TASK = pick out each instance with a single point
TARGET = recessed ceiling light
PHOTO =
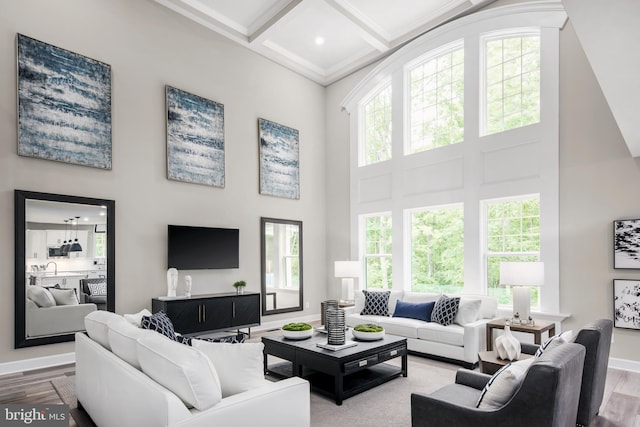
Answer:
(86, 218)
(319, 40)
(102, 214)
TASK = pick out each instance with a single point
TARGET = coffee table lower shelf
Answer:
(352, 384)
(355, 383)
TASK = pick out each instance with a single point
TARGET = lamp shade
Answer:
(347, 269)
(522, 273)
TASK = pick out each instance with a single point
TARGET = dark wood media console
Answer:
(212, 312)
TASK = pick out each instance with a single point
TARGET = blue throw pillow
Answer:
(414, 310)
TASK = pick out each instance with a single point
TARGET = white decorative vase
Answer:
(507, 346)
(187, 286)
(172, 282)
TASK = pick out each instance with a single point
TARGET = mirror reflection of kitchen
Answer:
(66, 255)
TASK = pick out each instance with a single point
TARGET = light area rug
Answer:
(387, 405)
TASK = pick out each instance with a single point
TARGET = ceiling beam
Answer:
(368, 30)
(261, 34)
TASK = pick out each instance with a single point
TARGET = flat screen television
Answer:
(202, 248)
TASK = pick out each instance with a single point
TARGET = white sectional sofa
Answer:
(116, 364)
(459, 342)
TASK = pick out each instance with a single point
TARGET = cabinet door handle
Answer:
(234, 308)
(204, 313)
(199, 314)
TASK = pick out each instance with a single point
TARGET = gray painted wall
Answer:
(148, 47)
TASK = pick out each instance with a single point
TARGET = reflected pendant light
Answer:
(75, 247)
(64, 249)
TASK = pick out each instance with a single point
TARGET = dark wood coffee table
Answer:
(343, 373)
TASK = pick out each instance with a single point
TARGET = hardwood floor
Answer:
(620, 406)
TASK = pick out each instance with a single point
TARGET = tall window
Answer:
(100, 245)
(513, 234)
(437, 249)
(436, 92)
(512, 81)
(377, 128)
(473, 158)
(377, 256)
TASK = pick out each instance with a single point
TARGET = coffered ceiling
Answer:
(323, 40)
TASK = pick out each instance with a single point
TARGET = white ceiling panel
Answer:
(405, 15)
(354, 32)
(248, 16)
(341, 39)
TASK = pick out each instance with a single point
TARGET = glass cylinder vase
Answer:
(335, 327)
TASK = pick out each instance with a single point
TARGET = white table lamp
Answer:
(347, 270)
(522, 275)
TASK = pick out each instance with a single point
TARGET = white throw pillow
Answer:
(136, 318)
(468, 311)
(503, 384)
(239, 366)
(554, 342)
(184, 370)
(123, 340)
(40, 296)
(64, 296)
(96, 323)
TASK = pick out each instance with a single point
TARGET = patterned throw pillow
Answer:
(376, 303)
(445, 310)
(161, 323)
(233, 339)
(99, 288)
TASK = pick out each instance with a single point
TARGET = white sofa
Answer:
(59, 319)
(114, 392)
(459, 342)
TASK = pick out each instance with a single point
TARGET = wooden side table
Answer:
(490, 363)
(536, 329)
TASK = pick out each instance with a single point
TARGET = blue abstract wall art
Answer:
(279, 160)
(195, 139)
(64, 105)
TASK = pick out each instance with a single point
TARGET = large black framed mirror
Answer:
(281, 265)
(64, 264)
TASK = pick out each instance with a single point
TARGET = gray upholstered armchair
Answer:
(94, 291)
(547, 396)
(596, 338)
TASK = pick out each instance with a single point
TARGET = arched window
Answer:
(457, 142)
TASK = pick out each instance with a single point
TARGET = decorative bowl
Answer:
(368, 332)
(297, 331)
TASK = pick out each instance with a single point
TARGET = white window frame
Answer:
(523, 160)
(361, 122)
(408, 234)
(362, 226)
(455, 45)
(484, 38)
(485, 241)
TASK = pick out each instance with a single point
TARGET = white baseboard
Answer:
(624, 364)
(36, 363)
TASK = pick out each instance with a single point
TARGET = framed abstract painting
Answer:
(626, 304)
(195, 139)
(626, 243)
(279, 160)
(64, 105)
